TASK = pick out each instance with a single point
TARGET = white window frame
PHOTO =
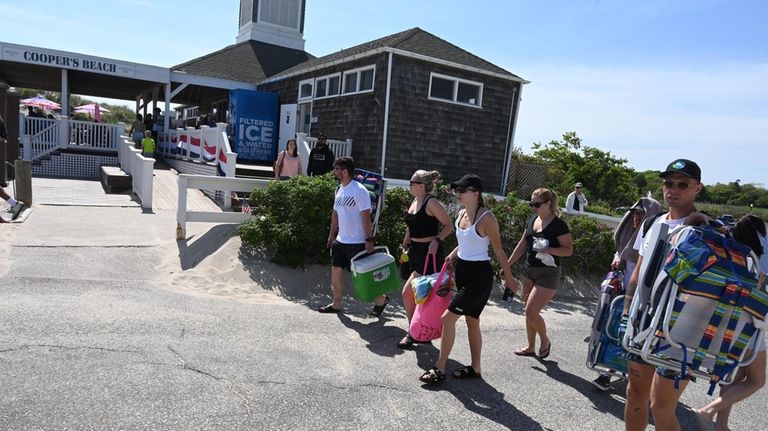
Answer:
(327, 79)
(310, 81)
(357, 71)
(479, 104)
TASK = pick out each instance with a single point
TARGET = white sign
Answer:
(66, 61)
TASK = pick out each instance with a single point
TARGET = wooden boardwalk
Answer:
(165, 192)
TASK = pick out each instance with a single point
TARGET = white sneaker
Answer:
(16, 210)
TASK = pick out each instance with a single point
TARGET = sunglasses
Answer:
(463, 189)
(415, 182)
(682, 185)
(536, 204)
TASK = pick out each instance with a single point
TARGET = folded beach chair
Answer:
(377, 188)
(605, 354)
(705, 308)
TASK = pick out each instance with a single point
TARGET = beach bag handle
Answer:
(426, 263)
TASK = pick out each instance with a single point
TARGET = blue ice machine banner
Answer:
(254, 119)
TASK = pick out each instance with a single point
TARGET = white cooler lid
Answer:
(374, 261)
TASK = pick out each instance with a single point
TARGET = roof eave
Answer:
(404, 53)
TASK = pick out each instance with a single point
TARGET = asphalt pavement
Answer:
(90, 339)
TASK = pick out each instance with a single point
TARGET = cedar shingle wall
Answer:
(423, 133)
(453, 139)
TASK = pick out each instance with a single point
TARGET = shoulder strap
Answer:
(649, 222)
(424, 204)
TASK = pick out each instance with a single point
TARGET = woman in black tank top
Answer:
(423, 237)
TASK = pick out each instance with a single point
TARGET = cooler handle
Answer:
(365, 253)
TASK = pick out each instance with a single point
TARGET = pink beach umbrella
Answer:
(41, 102)
(92, 109)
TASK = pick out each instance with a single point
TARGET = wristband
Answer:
(369, 239)
(437, 238)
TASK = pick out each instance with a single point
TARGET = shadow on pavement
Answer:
(193, 250)
(601, 401)
(380, 339)
(481, 398)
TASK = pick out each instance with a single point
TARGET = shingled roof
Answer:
(414, 40)
(249, 61)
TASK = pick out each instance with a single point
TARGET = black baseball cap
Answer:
(683, 167)
(469, 180)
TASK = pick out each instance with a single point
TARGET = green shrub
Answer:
(290, 219)
(593, 246)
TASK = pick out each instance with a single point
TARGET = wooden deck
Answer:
(165, 192)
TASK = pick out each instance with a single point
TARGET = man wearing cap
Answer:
(320, 158)
(681, 183)
(576, 201)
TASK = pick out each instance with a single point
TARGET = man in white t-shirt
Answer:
(350, 231)
(681, 184)
(576, 202)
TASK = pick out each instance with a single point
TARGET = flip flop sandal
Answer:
(523, 352)
(378, 309)
(544, 353)
(433, 375)
(466, 373)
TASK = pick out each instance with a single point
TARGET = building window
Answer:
(450, 89)
(359, 80)
(306, 89)
(284, 13)
(327, 86)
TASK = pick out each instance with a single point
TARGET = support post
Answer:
(23, 181)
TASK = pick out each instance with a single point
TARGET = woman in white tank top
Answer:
(476, 229)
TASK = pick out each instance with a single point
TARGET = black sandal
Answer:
(407, 342)
(433, 375)
(378, 309)
(329, 309)
(466, 373)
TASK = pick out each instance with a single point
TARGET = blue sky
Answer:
(648, 80)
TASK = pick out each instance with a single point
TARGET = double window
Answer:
(449, 89)
(359, 80)
(327, 86)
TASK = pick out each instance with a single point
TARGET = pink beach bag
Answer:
(426, 324)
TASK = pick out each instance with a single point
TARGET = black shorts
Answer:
(341, 253)
(474, 281)
(417, 254)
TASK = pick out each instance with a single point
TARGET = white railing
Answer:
(205, 182)
(95, 135)
(41, 136)
(306, 144)
(140, 168)
(204, 145)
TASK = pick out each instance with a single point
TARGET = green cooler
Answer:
(374, 275)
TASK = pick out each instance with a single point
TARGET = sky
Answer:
(649, 81)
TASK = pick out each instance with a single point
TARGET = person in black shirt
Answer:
(320, 158)
(546, 239)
